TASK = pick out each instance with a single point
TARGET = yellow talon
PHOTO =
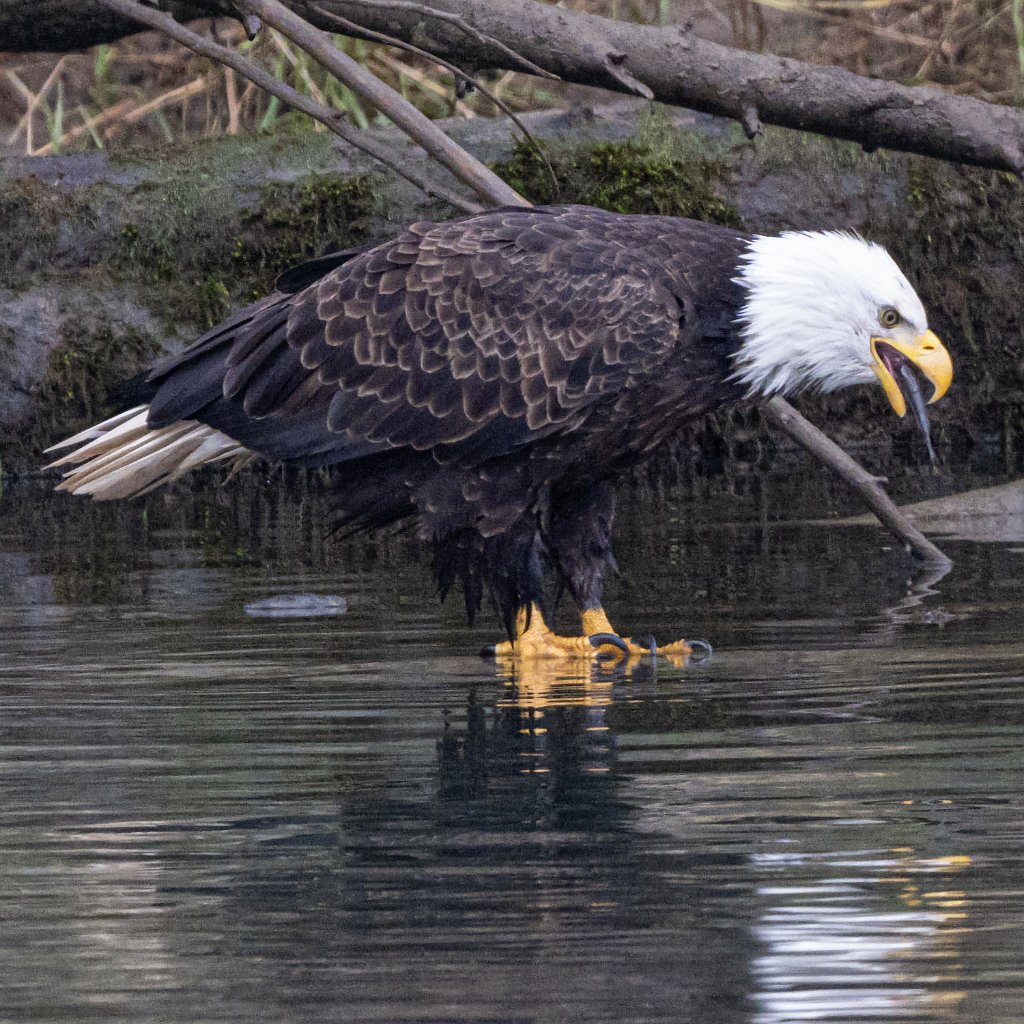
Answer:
(534, 640)
(678, 652)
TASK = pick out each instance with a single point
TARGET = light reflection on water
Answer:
(835, 953)
(209, 817)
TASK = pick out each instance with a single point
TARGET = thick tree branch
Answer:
(685, 70)
(674, 65)
(431, 11)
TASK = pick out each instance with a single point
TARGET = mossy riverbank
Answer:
(104, 264)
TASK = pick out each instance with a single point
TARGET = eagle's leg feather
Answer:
(595, 622)
(535, 639)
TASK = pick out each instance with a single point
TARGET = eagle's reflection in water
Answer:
(545, 732)
(537, 725)
(537, 820)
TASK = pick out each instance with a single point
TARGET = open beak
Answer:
(898, 365)
(896, 362)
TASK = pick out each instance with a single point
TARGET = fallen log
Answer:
(666, 63)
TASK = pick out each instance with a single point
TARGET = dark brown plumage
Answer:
(488, 377)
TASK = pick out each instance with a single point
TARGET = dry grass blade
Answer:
(234, 104)
(183, 92)
(351, 27)
(331, 119)
(27, 95)
(281, 44)
(34, 101)
(90, 126)
(893, 35)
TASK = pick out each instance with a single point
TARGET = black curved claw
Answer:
(646, 641)
(490, 651)
(609, 640)
(699, 646)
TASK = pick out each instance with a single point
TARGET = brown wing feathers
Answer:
(446, 333)
(469, 338)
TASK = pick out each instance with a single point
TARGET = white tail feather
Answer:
(100, 443)
(99, 428)
(122, 457)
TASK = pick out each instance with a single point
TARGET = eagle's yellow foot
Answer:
(534, 640)
(679, 652)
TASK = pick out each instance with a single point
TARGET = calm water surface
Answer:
(210, 817)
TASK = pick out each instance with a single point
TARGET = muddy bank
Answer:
(106, 262)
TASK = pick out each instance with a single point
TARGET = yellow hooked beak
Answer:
(925, 352)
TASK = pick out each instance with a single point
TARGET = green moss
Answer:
(212, 300)
(637, 176)
(204, 255)
(82, 372)
(176, 233)
(297, 220)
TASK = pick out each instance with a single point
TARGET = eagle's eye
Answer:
(889, 317)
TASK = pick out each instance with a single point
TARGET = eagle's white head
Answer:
(826, 309)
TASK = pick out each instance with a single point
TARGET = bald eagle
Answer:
(489, 378)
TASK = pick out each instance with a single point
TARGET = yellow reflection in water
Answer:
(536, 685)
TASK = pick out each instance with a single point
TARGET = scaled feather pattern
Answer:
(489, 378)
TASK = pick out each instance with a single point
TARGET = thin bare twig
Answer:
(332, 119)
(319, 45)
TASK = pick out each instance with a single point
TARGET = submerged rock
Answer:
(993, 514)
(297, 606)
